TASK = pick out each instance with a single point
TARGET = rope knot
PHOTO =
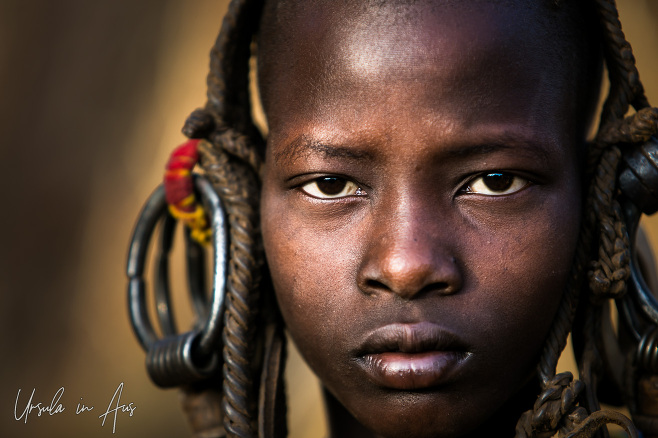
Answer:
(634, 129)
(555, 407)
(199, 124)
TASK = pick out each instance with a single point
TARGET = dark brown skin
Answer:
(407, 115)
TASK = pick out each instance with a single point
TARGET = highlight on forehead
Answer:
(407, 41)
(332, 31)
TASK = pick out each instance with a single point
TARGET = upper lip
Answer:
(411, 338)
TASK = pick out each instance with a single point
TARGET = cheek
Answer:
(519, 273)
(311, 272)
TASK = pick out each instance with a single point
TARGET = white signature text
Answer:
(23, 409)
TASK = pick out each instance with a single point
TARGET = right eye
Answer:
(332, 187)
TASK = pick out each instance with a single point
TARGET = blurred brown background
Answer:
(92, 98)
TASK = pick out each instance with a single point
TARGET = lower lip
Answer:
(409, 371)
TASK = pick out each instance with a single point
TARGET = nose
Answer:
(409, 257)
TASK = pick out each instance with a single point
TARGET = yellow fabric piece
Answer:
(187, 201)
(195, 220)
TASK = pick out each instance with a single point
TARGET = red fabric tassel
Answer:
(178, 175)
(179, 190)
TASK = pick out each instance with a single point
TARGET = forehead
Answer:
(408, 40)
(321, 57)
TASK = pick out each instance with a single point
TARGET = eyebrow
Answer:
(303, 146)
(497, 145)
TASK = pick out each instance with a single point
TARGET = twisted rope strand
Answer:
(563, 321)
(625, 86)
(236, 183)
(234, 160)
(610, 270)
(609, 274)
(228, 79)
(607, 279)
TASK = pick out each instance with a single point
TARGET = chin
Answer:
(423, 414)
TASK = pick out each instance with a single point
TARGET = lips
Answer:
(412, 356)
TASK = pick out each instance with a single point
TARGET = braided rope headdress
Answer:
(232, 154)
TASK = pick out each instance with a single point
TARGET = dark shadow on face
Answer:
(421, 202)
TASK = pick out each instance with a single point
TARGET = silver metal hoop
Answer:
(177, 359)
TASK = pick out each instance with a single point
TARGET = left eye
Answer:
(331, 187)
(496, 184)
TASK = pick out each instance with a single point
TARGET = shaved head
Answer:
(294, 29)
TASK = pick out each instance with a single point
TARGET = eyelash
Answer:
(475, 186)
(478, 185)
(349, 188)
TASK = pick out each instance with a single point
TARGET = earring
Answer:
(179, 358)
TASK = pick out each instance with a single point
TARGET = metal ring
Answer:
(647, 351)
(154, 210)
(196, 278)
(639, 290)
(173, 362)
(162, 292)
(644, 296)
(212, 332)
(627, 314)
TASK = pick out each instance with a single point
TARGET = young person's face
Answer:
(420, 206)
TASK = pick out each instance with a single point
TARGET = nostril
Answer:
(437, 287)
(440, 287)
(376, 285)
